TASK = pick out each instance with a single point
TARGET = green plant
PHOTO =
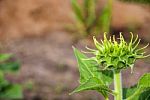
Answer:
(110, 58)
(138, 1)
(88, 20)
(8, 90)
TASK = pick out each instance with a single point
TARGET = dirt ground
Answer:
(45, 49)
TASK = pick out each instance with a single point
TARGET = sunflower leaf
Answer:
(140, 91)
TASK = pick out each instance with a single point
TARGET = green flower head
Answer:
(113, 55)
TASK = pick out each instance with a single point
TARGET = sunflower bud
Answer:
(113, 55)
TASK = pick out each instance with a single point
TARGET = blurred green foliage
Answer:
(138, 1)
(88, 21)
(9, 90)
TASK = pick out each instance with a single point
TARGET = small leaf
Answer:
(9, 66)
(3, 81)
(84, 66)
(144, 81)
(145, 95)
(93, 84)
(129, 91)
(88, 69)
(91, 78)
(140, 91)
(90, 84)
(4, 57)
(12, 92)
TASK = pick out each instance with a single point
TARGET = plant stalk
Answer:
(118, 84)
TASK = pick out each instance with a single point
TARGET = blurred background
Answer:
(40, 35)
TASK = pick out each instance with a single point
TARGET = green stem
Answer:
(118, 84)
